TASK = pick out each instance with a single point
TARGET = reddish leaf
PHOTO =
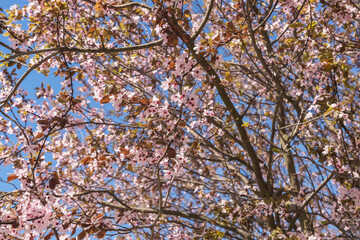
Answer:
(171, 153)
(11, 177)
(144, 101)
(55, 119)
(15, 224)
(11, 63)
(182, 124)
(52, 183)
(171, 65)
(230, 26)
(63, 122)
(105, 99)
(86, 160)
(47, 237)
(101, 234)
(124, 151)
(82, 235)
(73, 231)
(43, 121)
(134, 100)
(39, 135)
(54, 180)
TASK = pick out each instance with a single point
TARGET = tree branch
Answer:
(7, 46)
(204, 21)
(88, 50)
(122, 6)
(267, 17)
(22, 78)
(223, 224)
(309, 198)
(206, 66)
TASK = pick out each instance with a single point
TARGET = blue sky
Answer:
(5, 4)
(27, 84)
(33, 79)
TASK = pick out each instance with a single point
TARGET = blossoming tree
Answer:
(180, 119)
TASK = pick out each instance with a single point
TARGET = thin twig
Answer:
(88, 50)
(22, 78)
(204, 21)
(309, 198)
(267, 17)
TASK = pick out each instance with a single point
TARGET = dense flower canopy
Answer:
(176, 119)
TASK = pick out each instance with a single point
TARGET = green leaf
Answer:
(245, 124)
(329, 111)
(296, 25)
(312, 24)
(275, 149)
